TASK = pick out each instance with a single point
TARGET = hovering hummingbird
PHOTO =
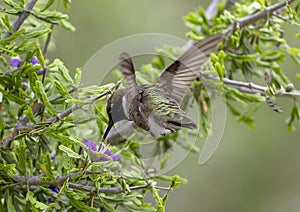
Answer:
(155, 107)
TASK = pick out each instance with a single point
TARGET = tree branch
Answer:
(33, 181)
(249, 87)
(252, 18)
(20, 20)
(75, 107)
(22, 127)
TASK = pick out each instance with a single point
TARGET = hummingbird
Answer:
(156, 107)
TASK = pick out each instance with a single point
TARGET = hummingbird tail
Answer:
(185, 122)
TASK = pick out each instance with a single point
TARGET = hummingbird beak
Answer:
(110, 125)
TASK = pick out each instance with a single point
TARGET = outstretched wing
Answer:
(178, 76)
(127, 69)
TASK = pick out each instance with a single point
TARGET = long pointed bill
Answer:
(108, 128)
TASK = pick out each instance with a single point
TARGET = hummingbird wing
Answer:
(127, 68)
(178, 76)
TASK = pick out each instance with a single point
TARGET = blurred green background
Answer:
(252, 170)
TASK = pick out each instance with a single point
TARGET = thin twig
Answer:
(48, 40)
(249, 87)
(20, 20)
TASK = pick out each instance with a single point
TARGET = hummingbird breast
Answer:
(155, 111)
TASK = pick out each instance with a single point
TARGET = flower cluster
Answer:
(16, 61)
(92, 150)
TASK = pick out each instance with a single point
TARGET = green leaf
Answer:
(40, 91)
(9, 203)
(49, 3)
(67, 140)
(163, 162)
(53, 15)
(62, 89)
(9, 52)
(246, 96)
(61, 72)
(158, 62)
(14, 5)
(34, 203)
(39, 54)
(29, 114)
(194, 36)
(192, 18)
(171, 178)
(160, 206)
(21, 154)
(36, 32)
(275, 56)
(106, 205)
(80, 205)
(69, 152)
(77, 76)
(6, 22)
(67, 4)
(8, 168)
(248, 120)
(47, 163)
(219, 69)
(294, 117)
(176, 181)
(12, 97)
(243, 57)
(67, 25)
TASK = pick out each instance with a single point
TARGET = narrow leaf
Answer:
(47, 164)
(69, 152)
(37, 32)
(40, 91)
(21, 154)
(67, 25)
(49, 3)
(29, 115)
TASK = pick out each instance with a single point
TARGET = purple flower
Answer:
(108, 153)
(54, 189)
(34, 61)
(92, 150)
(14, 62)
(41, 72)
(90, 144)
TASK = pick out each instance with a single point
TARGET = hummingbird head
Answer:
(115, 106)
(115, 109)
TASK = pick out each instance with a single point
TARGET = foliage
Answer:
(48, 159)
(255, 54)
